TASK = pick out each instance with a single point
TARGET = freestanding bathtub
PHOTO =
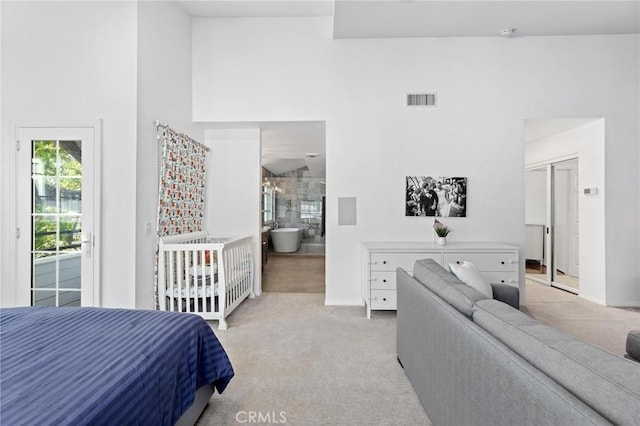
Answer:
(286, 240)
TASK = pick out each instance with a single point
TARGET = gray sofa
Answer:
(477, 361)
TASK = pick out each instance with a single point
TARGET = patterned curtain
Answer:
(182, 187)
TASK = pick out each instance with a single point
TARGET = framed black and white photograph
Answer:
(436, 196)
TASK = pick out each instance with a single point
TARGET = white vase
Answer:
(442, 241)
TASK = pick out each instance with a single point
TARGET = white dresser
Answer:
(499, 263)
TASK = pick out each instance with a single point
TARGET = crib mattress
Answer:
(195, 291)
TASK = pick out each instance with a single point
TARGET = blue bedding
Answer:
(104, 366)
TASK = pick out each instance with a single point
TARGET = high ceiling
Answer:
(285, 144)
(433, 18)
(375, 19)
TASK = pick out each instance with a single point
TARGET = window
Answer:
(268, 203)
(310, 209)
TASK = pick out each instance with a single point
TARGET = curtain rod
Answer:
(159, 124)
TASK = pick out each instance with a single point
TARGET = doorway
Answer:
(57, 189)
(293, 209)
(552, 225)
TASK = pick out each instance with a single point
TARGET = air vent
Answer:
(421, 99)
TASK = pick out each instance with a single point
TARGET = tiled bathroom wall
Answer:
(299, 196)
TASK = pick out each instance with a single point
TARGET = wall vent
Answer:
(421, 99)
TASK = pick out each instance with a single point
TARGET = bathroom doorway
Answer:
(293, 207)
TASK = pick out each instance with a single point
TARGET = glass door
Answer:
(551, 225)
(56, 216)
(56, 222)
(536, 224)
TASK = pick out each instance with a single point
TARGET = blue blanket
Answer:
(104, 366)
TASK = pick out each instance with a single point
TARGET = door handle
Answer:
(87, 242)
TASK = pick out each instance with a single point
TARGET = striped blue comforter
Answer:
(104, 366)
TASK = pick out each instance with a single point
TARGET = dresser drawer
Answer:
(391, 261)
(383, 280)
(383, 299)
(501, 277)
(484, 261)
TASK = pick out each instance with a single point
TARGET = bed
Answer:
(107, 366)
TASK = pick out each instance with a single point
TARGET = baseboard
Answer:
(328, 302)
(625, 304)
(614, 304)
(591, 299)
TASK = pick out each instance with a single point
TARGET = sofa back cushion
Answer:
(443, 283)
(608, 383)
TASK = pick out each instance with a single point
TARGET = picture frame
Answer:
(436, 196)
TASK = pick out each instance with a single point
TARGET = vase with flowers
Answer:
(441, 231)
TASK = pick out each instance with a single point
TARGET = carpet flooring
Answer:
(308, 364)
(294, 274)
(602, 326)
(302, 363)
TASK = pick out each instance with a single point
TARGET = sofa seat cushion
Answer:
(608, 383)
(443, 283)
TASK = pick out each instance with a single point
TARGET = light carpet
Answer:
(308, 364)
(602, 326)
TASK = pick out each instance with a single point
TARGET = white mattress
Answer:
(195, 291)
(199, 275)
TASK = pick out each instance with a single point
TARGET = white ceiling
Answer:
(433, 18)
(428, 18)
(536, 129)
(285, 144)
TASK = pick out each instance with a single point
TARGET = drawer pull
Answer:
(501, 281)
(502, 262)
(384, 262)
(458, 262)
(384, 299)
(384, 281)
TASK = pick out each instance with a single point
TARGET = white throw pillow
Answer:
(469, 274)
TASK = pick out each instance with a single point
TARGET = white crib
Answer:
(204, 275)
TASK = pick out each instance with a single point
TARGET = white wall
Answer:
(234, 179)
(164, 93)
(486, 88)
(247, 49)
(536, 197)
(588, 143)
(76, 61)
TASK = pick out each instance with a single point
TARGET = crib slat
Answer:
(170, 279)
